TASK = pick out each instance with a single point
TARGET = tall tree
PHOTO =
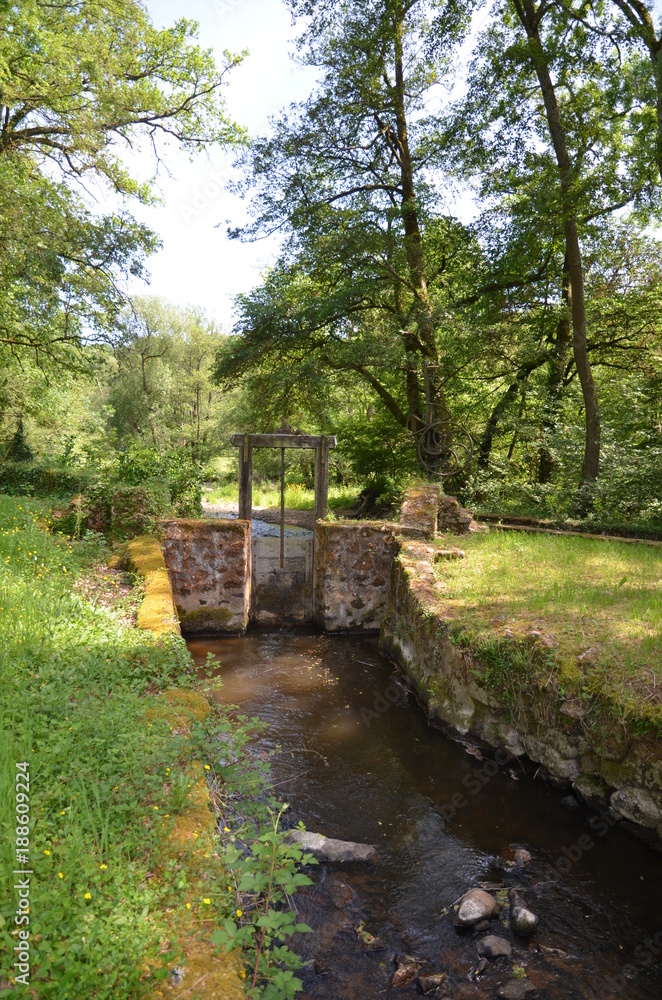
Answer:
(346, 176)
(79, 81)
(552, 137)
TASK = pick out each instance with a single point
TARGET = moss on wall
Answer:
(157, 612)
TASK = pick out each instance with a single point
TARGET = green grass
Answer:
(583, 596)
(76, 682)
(297, 497)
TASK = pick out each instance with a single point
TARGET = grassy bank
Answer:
(297, 497)
(591, 609)
(79, 697)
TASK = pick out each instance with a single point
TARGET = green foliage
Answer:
(177, 472)
(36, 479)
(68, 111)
(264, 864)
(142, 487)
(107, 775)
(73, 680)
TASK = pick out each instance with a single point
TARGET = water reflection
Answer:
(443, 821)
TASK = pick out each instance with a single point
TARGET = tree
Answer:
(79, 80)
(346, 178)
(551, 130)
(161, 392)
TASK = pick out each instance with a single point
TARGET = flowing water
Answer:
(358, 761)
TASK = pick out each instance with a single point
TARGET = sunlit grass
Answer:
(297, 497)
(598, 604)
(75, 686)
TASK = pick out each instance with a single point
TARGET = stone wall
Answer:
(210, 570)
(157, 611)
(353, 562)
(611, 769)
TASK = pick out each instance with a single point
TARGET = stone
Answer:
(522, 857)
(522, 920)
(341, 894)
(475, 906)
(344, 574)
(448, 553)
(494, 947)
(453, 518)
(637, 805)
(405, 972)
(327, 849)
(484, 925)
(592, 791)
(209, 563)
(516, 989)
(419, 508)
(430, 981)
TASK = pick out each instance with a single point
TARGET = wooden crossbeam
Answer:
(283, 441)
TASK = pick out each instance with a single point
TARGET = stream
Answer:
(357, 760)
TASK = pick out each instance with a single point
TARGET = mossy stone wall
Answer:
(353, 563)
(209, 562)
(608, 766)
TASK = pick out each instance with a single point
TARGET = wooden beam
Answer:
(282, 440)
(245, 479)
(322, 477)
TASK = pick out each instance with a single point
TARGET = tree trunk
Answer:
(555, 381)
(436, 408)
(529, 18)
(523, 373)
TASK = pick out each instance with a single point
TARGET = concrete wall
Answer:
(210, 570)
(353, 563)
(282, 595)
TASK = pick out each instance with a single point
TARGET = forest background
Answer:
(531, 335)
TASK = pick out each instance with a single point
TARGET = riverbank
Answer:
(124, 880)
(547, 646)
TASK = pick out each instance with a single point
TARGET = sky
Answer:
(198, 265)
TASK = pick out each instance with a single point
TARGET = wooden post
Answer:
(245, 480)
(282, 508)
(321, 479)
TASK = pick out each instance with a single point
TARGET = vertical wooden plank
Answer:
(245, 480)
(321, 479)
(282, 508)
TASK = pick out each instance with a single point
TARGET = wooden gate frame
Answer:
(246, 442)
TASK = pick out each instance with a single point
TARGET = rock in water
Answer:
(405, 971)
(522, 920)
(494, 947)
(327, 849)
(475, 906)
(516, 989)
(429, 981)
(522, 857)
